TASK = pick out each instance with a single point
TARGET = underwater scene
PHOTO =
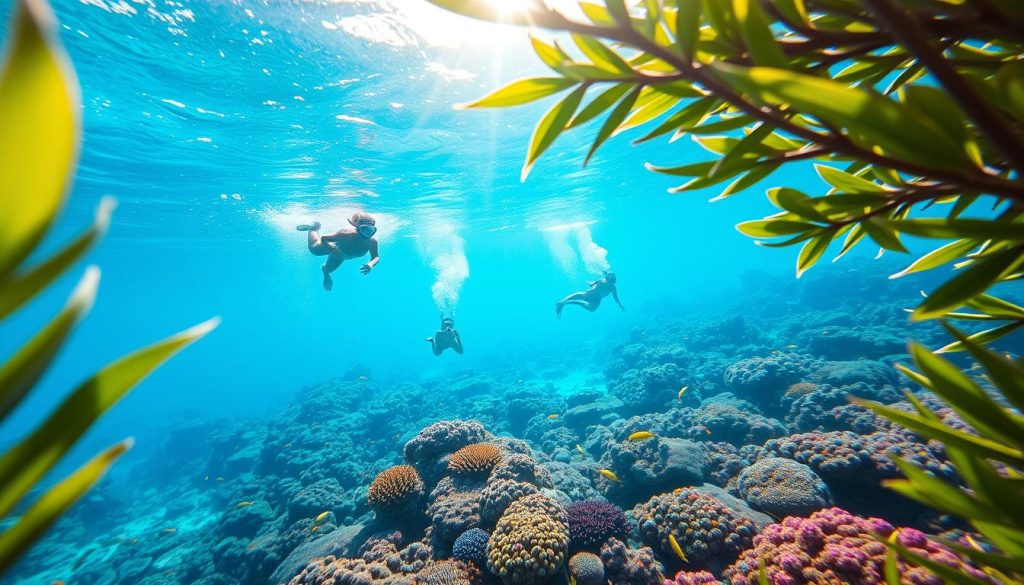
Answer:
(420, 361)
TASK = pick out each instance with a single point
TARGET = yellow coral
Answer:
(801, 389)
(530, 541)
(474, 459)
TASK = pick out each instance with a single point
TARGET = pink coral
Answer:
(834, 547)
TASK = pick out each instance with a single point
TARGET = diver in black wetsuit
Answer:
(446, 337)
(591, 299)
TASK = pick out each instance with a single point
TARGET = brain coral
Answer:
(783, 487)
(627, 566)
(447, 572)
(586, 568)
(765, 379)
(471, 547)
(452, 510)
(834, 547)
(709, 532)
(498, 494)
(474, 459)
(725, 422)
(592, 522)
(441, 438)
(395, 490)
(520, 467)
(530, 542)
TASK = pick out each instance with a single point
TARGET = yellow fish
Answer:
(552, 416)
(682, 391)
(244, 504)
(792, 346)
(572, 580)
(580, 449)
(677, 549)
(322, 516)
(640, 436)
(315, 528)
(608, 473)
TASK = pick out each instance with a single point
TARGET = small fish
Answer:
(287, 446)
(244, 504)
(219, 478)
(572, 580)
(206, 478)
(363, 378)
(682, 391)
(608, 473)
(320, 518)
(640, 436)
(792, 346)
(133, 541)
(169, 530)
(552, 416)
(580, 449)
(676, 548)
(315, 528)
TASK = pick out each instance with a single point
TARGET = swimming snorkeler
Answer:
(591, 299)
(344, 244)
(446, 337)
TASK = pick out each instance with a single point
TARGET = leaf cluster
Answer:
(38, 145)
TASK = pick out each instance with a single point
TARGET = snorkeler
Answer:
(591, 299)
(446, 337)
(344, 245)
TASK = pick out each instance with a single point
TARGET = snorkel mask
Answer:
(447, 323)
(609, 276)
(366, 229)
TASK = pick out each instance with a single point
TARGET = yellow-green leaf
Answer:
(522, 92)
(613, 121)
(27, 462)
(550, 126)
(599, 104)
(971, 282)
(48, 508)
(29, 363)
(845, 182)
(757, 36)
(939, 256)
(813, 251)
(38, 132)
(600, 54)
(22, 286)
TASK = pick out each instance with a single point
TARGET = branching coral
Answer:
(592, 522)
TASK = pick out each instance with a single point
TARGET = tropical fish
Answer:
(363, 378)
(792, 346)
(243, 504)
(220, 478)
(580, 449)
(320, 518)
(676, 548)
(608, 473)
(682, 391)
(315, 528)
(552, 416)
(640, 436)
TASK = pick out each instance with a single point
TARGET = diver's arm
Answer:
(374, 258)
(457, 346)
(615, 295)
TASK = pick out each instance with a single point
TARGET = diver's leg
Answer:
(332, 264)
(435, 347)
(573, 299)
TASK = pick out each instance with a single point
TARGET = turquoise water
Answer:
(220, 125)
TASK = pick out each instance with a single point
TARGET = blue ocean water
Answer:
(221, 125)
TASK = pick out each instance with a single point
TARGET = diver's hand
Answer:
(365, 268)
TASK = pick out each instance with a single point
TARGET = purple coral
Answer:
(693, 578)
(836, 547)
(627, 566)
(592, 522)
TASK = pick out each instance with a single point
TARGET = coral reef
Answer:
(709, 533)
(530, 541)
(833, 546)
(586, 568)
(395, 491)
(783, 487)
(629, 566)
(591, 522)
(478, 458)
(471, 547)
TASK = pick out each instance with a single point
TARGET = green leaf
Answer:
(883, 234)
(22, 287)
(986, 336)
(719, 14)
(1006, 374)
(552, 55)
(613, 121)
(870, 118)
(757, 36)
(910, 74)
(771, 228)
(793, 11)
(754, 175)
(1010, 80)
(22, 466)
(601, 55)
(845, 182)
(935, 430)
(936, 104)
(691, 115)
(972, 281)
(650, 104)
(522, 92)
(15, 541)
(599, 104)
(996, 307)
(688, 19)
(597, 13)
(855, 235)
(550, 126)
(795, 202)
(813, 251)
(982, 229)
(749, 143)
(762, 573)
(29, 363)
(39, 109)
(939, 256)
(619, 13)
(892, 569)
